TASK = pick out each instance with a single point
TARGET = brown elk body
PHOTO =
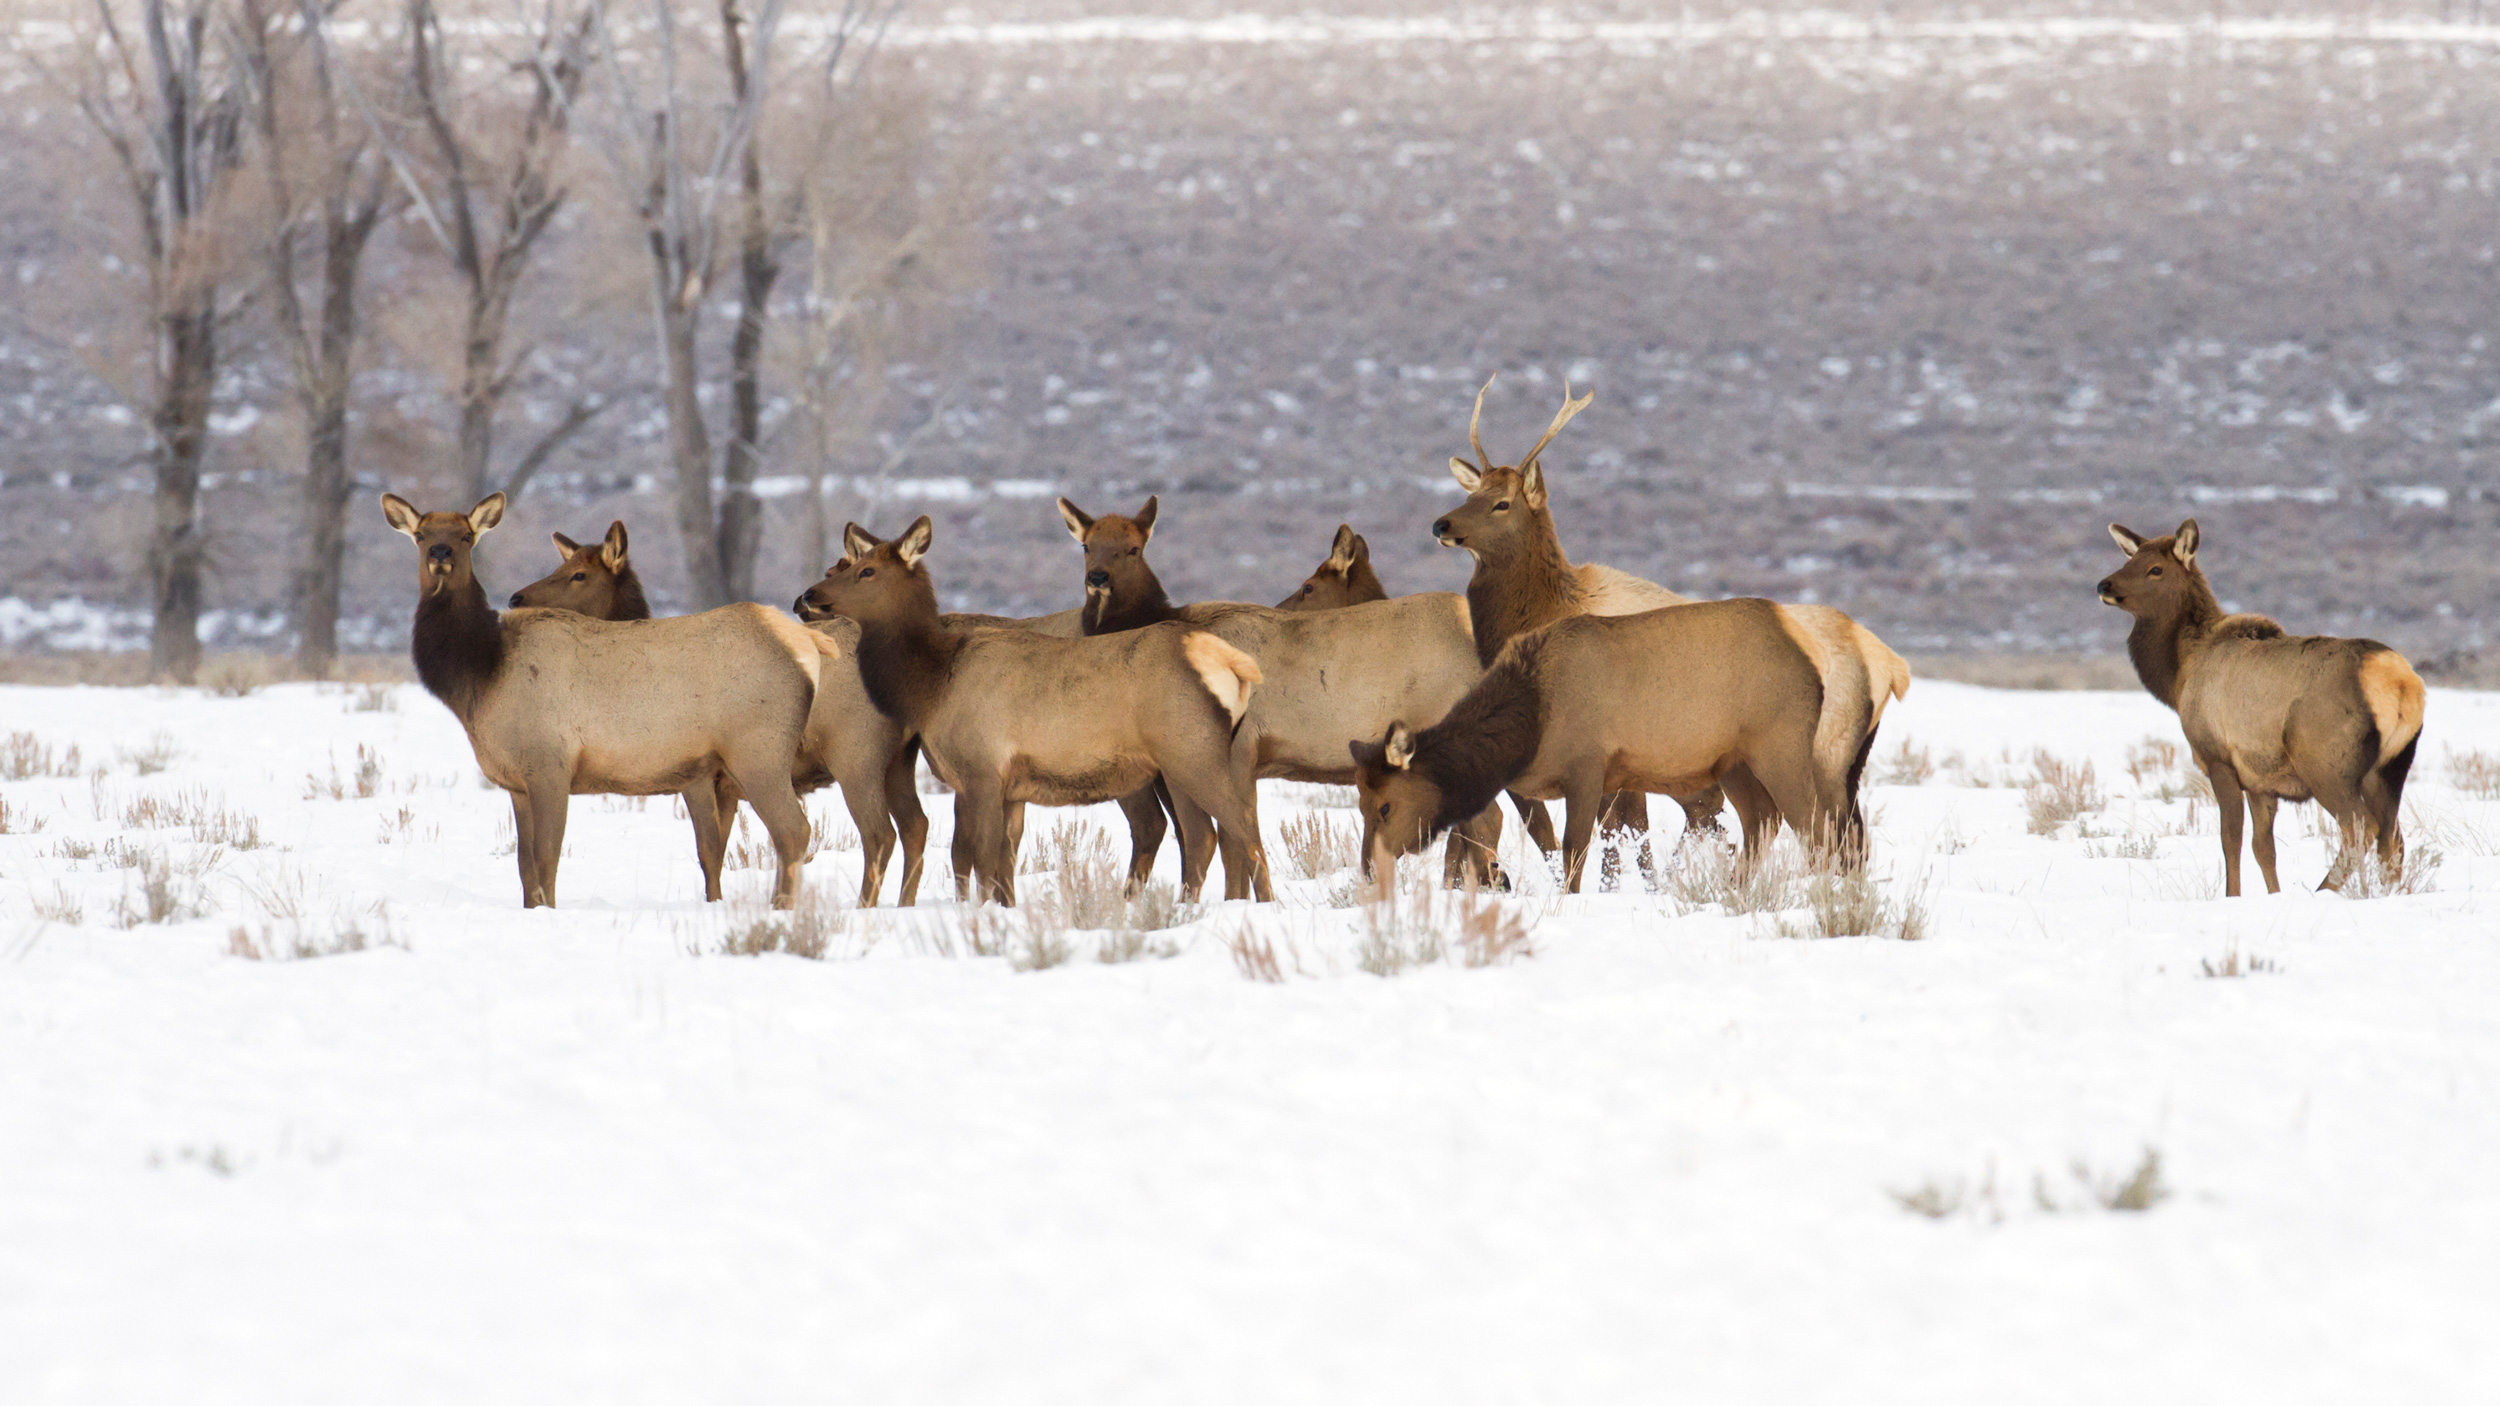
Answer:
(2271, 717)
(1673, 701)
(1329, 676)
(1523, 581)
(848, 742)
(1345, 578)
(557, 704)
(1013, 715)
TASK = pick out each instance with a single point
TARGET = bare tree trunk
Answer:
(328, 483)
(690, 447)
(741, 514)
(178, 550)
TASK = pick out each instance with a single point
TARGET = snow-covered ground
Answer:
(580, 1156)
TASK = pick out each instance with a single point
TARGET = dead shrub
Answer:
(294, 939)
(2234, 963)
(2059, 791)
(2139, 1190)
(1254, 955)
(62, 907)
(1708, 876)
(808, 929)
(1317, 845)
(363, 785)
(1906, 766)
(1847, 903)
(164, 892)
(373, 698)
(14, 820)
(236, 675)
(1416, 923)
(26, 757)
(2476, 773)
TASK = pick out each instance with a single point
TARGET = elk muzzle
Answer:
(1098, 580)
(2109, 591)
(1441, 534)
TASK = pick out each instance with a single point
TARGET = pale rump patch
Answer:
(2395, 695)
(1228, 673)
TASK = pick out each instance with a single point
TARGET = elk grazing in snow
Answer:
(1014, 715)
(557, 704)
(1671, 700)
(1522, 581)
(848, 742)
(2269, 716)
(1329, 676)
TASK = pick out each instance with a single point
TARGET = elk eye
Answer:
(867, 571)
(2156, 571)
(581, 575)
(1502, 506)
(1384, 810)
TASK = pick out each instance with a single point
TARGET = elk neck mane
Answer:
(457, 645)
(1525, 589)
(2158, 646)
(1489, 737)
(630, 602)
(905, 662)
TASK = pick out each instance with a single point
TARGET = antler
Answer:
(1483, 461)
(1562, 417)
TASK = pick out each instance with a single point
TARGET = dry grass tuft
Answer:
(2236, 964)
(160, 753)
(62, 907)
(2059, 791)
(14, 820)
(1714, 876)
(1846, 903)
(1906, 766)
(1418, 923)
(237, 675)
(26, 757)
(2367, 880)
(293, 939)
(1317, 845)
(807, 930)
(373, 698)
(164, 892)
(1254, 955)
(2476, 773)
(364, 785)
(2139, 1190)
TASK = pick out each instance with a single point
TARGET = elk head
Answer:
(1344, 579)
(444, 540)
(2160, 576)
(592, 580)
(876, 582)
(1400, 804)
(1116, 575)
(1505, 505)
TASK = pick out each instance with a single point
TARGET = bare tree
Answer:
(489, 205)
(172, 110)
(326, 185)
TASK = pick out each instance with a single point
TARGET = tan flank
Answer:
(1672, 700)
(848, 742)
(1329, 676)
(557, 704)
(2269, 716)
(1013, 715)
(1523, 581)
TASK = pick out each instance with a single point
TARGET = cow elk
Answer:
(1346, 578)
(1013, 715)
(1522, 581)
(1330, 676)
(1673, 700)
(557, 704)
(848, 742)
(2271, 717)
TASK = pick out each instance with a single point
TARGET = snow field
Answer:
(579, 1155)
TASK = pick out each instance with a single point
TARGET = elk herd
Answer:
(1545, 681)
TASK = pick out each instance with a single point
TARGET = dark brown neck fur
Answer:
(905, 661)
(457, 644)
(630, 604)
(1488, 739)
(1363, 586)
(2159, 645)
(1521, 589)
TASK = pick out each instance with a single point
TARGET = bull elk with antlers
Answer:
(558, 705)
(848, 742)
(1017, 716)
(2271, 717)
(1522, 581)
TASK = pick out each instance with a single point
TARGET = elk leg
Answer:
(1197, 845)
(524, 852)
(1790, 780)
(548, 797)
(1757, 815)
(768, 791)
(2228, 805)
(960, 850)
(1701, 811)
(2343, 801)
(1146, 828)
(983, 812)
(902, 801)
(703, 808)
(867, 805)
(1474, 850)
(1533, 817)
(1210, 787)
(1583, 797)
(1013, 829)
(1623, 811)
(2261, 836)
(2383, 798)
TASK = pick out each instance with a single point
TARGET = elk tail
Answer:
(1230, 675)
(2394, 693)
(1887, 673)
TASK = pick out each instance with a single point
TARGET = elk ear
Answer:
(612, 551)
(1341, 552)
(2183, 543)
(486, 514)
(1362, 551)
(1145, 518)
(401, 513)
(1366, 754)
(1465, 473)
(565, 546)
(1398, 748)
(857, 541)
(2128, 542)
(914, 543)
(1532, 485)
(1076, 520)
